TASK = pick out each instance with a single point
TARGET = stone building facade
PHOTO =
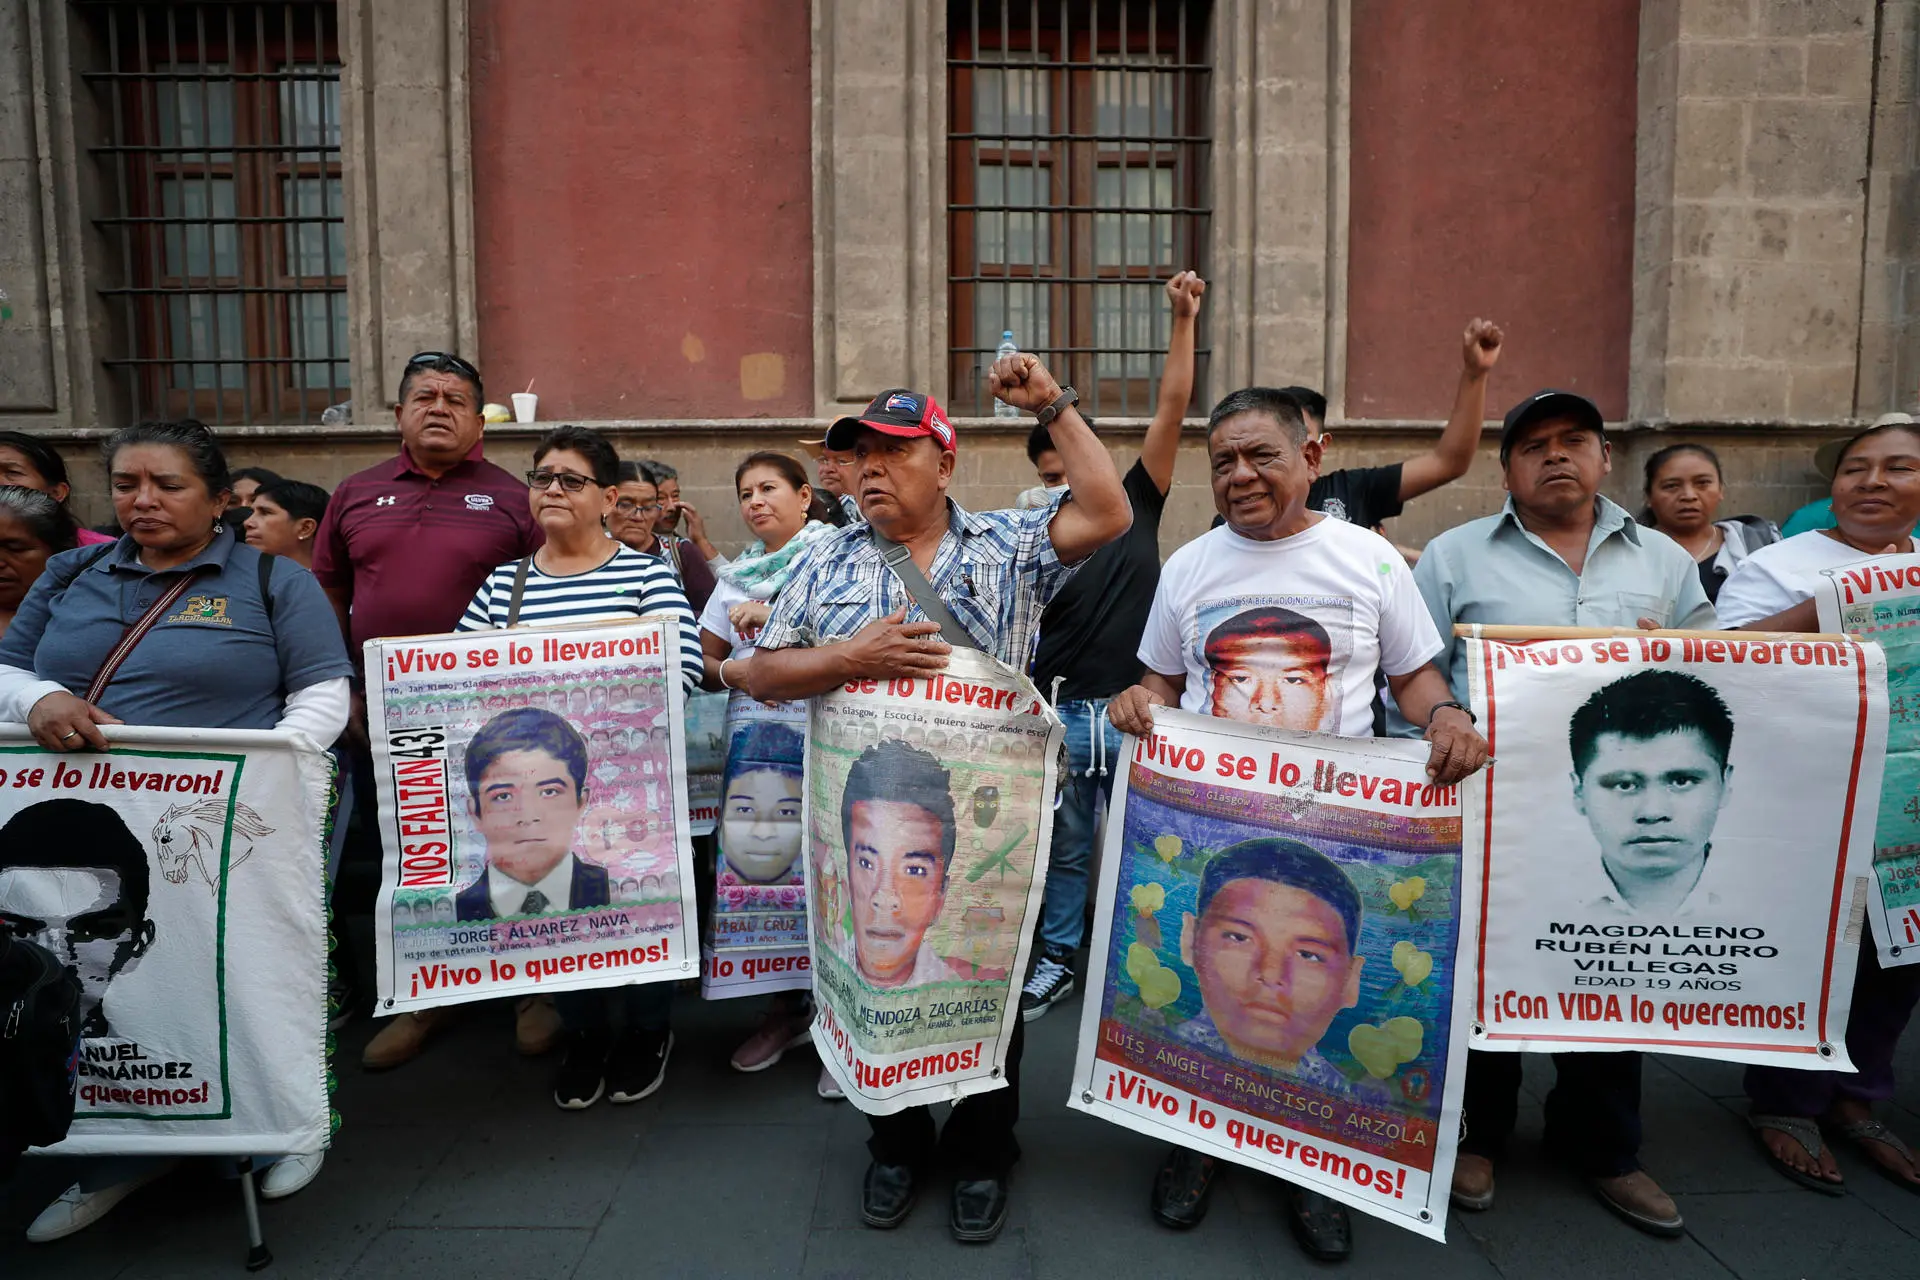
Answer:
(706, 228)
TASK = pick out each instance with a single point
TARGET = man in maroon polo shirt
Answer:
(401, 550)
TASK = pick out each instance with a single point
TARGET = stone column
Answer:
(879, 199)
(407, 166)
(1890, 306)
(1754, 120)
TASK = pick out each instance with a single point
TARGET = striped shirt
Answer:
(996, 570)
(628, 586)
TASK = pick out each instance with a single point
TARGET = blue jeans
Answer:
(1094, 766)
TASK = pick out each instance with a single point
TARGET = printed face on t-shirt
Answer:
(1272, 677)
(526, 807)
(1273, 967)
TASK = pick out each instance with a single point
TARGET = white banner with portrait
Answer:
(929, 808)
(756, 938)
(1676, 837)
(532, 812)
(1879, 601)
(181, 876)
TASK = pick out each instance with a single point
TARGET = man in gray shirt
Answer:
(1559, 554)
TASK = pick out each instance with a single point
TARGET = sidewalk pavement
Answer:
(459, 1165)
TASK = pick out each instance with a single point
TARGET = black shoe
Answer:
(638, 1065)
(1320, 1225)
(1181, 1188)
(886, 1197)
(581, 1078)
(1051, 982)
(979, 1210)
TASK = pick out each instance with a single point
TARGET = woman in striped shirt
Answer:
(581, 575)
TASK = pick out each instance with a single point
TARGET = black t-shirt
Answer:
(1090, 633)
(1365, 496)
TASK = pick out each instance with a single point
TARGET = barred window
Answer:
(1078, 147)
(223, 193)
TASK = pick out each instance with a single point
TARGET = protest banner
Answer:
(706, 738)
(181, 876)
(532, 812)
(1279, 925)
(929, 807)
(1879, 601)
(757, 933)
(1672, 855)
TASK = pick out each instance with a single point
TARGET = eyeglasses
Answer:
(441, 362)
(627, 507)
(543, 479)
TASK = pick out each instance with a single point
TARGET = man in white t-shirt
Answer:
(1280, 617)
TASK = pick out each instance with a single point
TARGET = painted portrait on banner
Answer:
(1273, 974)
(757, 932)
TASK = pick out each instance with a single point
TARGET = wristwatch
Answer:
(1067, 396)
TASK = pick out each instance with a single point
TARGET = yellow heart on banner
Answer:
(1141, 961)
(1148, 898)
(1168, 847)
(1383, 1048)
(1407, 892)
(1159, 988)
(1413, 963)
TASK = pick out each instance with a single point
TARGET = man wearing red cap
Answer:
(845, 615)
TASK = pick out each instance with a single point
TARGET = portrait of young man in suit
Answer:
(526, 789)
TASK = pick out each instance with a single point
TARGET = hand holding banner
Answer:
(1672, 840)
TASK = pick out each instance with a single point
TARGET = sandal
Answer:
(1321, 1225)
(1862, 1132)
(1181, 1188)
(1805, 1132)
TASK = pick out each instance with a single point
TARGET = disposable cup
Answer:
(524, 403)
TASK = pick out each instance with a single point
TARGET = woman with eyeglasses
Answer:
(582, 576)
(636, 522)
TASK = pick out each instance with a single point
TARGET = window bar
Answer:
(210, 229)
(1038, 80)
(272, 389)
(120, 191)
(155, 250)
(291, 236)
(981, 397)
(1060, 117)
(1157, 306)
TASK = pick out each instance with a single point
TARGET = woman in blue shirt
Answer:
(252, 645)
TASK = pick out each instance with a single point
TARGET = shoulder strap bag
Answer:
(900, 560)
(137, 632)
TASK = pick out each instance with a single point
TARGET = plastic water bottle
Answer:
(1001, 409)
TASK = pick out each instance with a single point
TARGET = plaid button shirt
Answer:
(996, 570)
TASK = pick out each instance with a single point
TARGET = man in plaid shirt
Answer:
(845, 616)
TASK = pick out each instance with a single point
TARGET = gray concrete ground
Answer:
(459, 1165)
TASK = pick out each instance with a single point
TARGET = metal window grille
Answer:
(221, 174)
(1078, 145)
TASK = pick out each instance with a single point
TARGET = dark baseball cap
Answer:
(1542, 405)
(897, 412)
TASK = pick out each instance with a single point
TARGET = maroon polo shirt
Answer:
(411, 550)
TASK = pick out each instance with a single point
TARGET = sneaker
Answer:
(582, 1077)
(342, 1000)
(536, 1026)
(76, 1210)
(638, 1066)
(289, 1174)
(780, 1030)
(1052, 982)
(829, 1088)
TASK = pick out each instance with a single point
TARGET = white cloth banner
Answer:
(1278, 963)
(929, 813)
(1676, 837)
(182, 876)
(533, 803)
(756, 939)
(1879, 601)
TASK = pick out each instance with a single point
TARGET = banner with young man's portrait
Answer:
(756, 939)
(1676, 835)
(1879, 601)
(1280, 922)
(929, 808)
(533, 812)
(180, 876)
